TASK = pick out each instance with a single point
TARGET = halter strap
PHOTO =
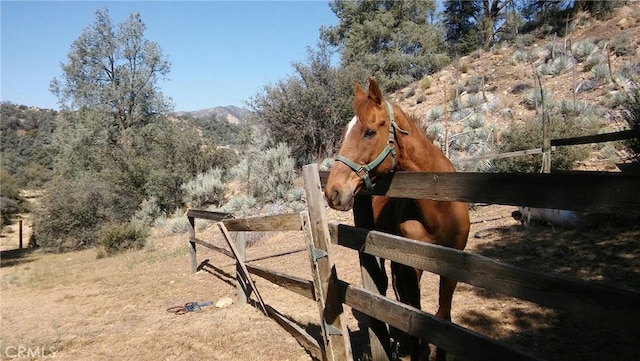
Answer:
(362, 171)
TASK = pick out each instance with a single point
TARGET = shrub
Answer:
(561, 64)
(326, 164)
(435, 114)
(632, 116)
(271, 174)
(73, 211)
(520, 56)
(600, 73)
(114, 238)
(206, 188)
(583, 49)
(425, 83)
(529, 135)
(240, 205)
(533, 98)
(177, 223)
(147, 212)
(621, 45)
(592, 60)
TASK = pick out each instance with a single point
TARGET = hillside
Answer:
(492, 85)
(231, 113)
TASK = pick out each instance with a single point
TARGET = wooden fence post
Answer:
(374, 279)
(20, 232)
(334, 328)
(241, 287)
(192, 250)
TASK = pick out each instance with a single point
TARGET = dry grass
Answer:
(85, 308)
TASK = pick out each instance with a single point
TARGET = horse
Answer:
(381, 139)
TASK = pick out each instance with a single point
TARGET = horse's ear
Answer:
(374, 91)
(359, 92)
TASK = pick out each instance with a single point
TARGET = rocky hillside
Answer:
(233, 114)
(586, 71)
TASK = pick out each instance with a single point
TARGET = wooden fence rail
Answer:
(554, 143)
(580, 191)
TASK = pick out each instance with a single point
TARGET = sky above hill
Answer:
(221, 52)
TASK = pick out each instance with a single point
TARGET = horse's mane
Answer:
(366, 105)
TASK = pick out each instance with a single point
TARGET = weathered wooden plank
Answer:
(225, 252)
(212, 216)
(278, 222)
(333, 323)
(241, 287)
(617, 308)
(308, 342)
(464, 343)
(598, 138)
(242, 268)
(295, 284)
(580, 191)
(193, 262)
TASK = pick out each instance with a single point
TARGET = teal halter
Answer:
(363, 171)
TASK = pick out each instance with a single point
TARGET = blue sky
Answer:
(221, 52)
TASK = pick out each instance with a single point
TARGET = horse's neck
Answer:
(417, 153)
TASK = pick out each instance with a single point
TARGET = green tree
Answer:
(114, 70)
(460, 18)
(115, 147)
(394, 40)
(309, 109)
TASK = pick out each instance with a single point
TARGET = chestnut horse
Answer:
(380, 139)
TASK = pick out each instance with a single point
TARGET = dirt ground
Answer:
(73, 306)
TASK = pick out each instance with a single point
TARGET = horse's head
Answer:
(367, 150)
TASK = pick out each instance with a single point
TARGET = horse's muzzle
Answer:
(339, 199)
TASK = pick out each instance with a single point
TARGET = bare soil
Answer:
(76, 307)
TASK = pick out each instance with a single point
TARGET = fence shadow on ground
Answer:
(603, 253)
(15, 257)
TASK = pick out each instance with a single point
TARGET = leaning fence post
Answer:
(240, 247)
(334, 328)
(193, 263)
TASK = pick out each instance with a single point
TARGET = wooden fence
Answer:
(614, 308)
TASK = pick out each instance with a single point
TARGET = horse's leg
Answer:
(406, 284)
(447, 286)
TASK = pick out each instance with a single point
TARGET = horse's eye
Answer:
(369, 133)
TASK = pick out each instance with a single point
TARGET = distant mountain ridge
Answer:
(232, 113)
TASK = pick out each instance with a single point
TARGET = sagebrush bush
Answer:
(240, 205)
(425, 83)
(176, 223)
(533, 98)
(147, 212)
(592, 60)
(206, 188)
(600, 73)
(583, 49)
(115, 237)
(561, 64)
